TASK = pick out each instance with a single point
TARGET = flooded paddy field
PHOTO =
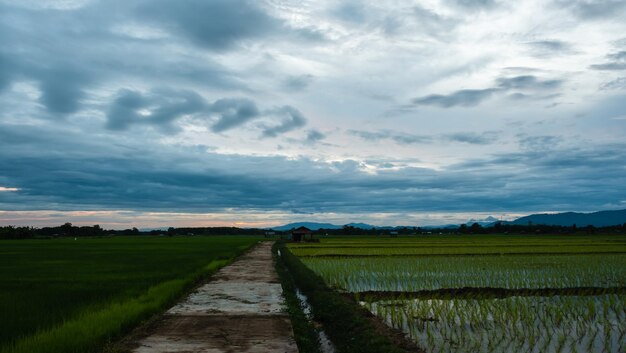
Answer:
(485, 293)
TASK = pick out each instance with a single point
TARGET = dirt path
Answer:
(240, 310)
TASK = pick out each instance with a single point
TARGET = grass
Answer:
(65, 295)
(304, 332)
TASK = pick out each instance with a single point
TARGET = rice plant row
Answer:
(431, 273)
(515, 324)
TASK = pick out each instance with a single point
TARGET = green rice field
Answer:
(66, 295)
(492, 293)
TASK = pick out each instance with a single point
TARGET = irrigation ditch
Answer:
(350, 327)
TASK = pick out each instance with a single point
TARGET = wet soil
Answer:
(492, 293)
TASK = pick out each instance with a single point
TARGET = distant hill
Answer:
(362, 226)
(596, 219)
(483, 222)
(310, 225)
(316, 226)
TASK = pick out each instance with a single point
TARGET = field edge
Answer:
(103, 329)
(350, 327)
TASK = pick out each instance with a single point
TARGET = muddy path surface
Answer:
(240, 310)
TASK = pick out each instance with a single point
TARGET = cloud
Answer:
(538, 143)
(160, 108)
(221, 24)
(473, 138)
(291, 119)
(400, 138)
(314, 136)
(473, 97)
(617, 62)
(616, 84)
(122, 73)
(549, 48)
(71, 71)
(6, 72)
(474, 4)
(527, 82)
(62, 89)
(217, 24)
(298, 83)
(614, 66)
(431, 23)
(593, 9)
(124, 110)
(143, 176)
(464, 98)
(552, 45)
(618, 56)
(232, 113)
(350, 12)
(164, 109)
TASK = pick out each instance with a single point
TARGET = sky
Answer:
(257, 113)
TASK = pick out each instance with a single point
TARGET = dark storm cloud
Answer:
(216, 24)
(163, 108)
(6, 71)
(160, 108)
(473, 97)
(291, 119)
(123, 111)
(220, 24)
(91, 174)
(56, 50)
(232, 113)
(62, 90)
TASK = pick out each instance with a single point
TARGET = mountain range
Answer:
(596, 219)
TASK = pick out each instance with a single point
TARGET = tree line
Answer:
(69, 230)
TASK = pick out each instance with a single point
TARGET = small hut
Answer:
(300, 234)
